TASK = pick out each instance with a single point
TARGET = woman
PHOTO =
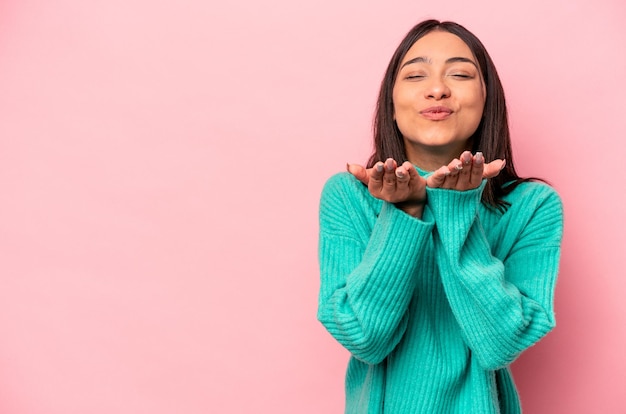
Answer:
(437, 267)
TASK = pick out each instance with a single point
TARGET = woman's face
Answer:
(438, 96)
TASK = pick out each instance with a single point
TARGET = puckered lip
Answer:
(436, 110)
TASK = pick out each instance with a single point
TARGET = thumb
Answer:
(493, 168)
(359, 172)
(437, 178)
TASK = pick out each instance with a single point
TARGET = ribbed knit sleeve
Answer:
(502, 297)
(368, 254)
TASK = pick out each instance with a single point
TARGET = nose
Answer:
(437, 89)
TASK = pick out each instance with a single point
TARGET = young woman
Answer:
(438, 262)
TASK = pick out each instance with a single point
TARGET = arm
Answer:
(503, 304)
(367, 265)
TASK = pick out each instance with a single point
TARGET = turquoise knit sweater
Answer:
(434, 310)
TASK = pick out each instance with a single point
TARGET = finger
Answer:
(402, 177)
(389, 176)
(417, 184)
(466, 160)
(464, 176)
(437, 178)
(493, 168)
(359, 172)
(414, 177)
(402, 184)
(454, 167)
(375, 183)
(477, 170)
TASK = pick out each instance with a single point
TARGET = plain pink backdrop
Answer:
(160, 170)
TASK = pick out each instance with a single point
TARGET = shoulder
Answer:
(537, 203)
(533, 219)
(534, 194)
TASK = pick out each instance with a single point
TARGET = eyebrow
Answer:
(422, 59)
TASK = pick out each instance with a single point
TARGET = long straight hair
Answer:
(492, 137)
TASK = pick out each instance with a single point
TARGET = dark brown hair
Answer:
(492, 136)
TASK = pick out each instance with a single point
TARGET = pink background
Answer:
(160, 170)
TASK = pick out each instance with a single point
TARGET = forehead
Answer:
(439, 46)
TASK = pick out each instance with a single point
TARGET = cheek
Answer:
(475, 103)
(401, 105)
(474, 97)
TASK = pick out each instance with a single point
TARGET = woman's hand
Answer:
(401, 185)
(404, 187)
(465, 172)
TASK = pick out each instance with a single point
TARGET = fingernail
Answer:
(379, 167)
(459, 166)
(479, 158)
(467, 157)
(389, 164)
(503, 164)
(399, 173)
